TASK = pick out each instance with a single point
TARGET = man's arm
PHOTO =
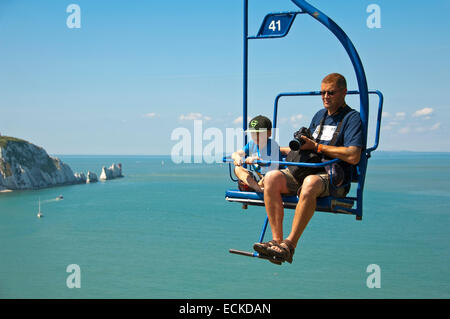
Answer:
(349, 154)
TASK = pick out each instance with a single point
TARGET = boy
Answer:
(261, 147)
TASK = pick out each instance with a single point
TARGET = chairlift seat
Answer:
(325, 204)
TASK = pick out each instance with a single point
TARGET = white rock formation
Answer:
(27, 166)
(91, 177)
(81, 178)
(114, 171)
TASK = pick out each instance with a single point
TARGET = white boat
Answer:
(39, 215)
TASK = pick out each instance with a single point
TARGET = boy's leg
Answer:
(245, 176)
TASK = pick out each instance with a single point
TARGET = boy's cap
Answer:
(259, 123)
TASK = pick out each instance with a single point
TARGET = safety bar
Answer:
(227, 159)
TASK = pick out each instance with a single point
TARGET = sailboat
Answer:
(39, 215)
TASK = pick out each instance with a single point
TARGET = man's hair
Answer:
(336, 78)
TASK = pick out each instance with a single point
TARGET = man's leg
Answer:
(275, 185)
(312, 187)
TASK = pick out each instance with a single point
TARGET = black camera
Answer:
(297, 142)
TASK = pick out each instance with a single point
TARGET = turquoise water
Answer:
(164, 231)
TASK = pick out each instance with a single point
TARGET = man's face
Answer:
(332, 96)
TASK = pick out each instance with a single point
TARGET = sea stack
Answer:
(91, 177)
(114, 171)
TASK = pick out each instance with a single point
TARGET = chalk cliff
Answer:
(26, 166)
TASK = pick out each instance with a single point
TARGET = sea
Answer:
(164, 231)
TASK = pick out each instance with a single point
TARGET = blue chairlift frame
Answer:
(326, 204)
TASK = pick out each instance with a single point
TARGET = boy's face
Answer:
(260, 138)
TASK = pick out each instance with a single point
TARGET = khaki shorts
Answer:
(294, 187)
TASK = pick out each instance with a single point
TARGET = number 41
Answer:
(273, 25)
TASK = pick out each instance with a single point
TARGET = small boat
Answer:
(39, 215)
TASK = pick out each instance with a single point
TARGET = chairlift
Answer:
(278, 25)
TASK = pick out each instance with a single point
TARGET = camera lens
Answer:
(294, 145)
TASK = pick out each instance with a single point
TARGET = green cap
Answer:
(259, 123)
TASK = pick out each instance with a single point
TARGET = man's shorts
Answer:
(294, 187)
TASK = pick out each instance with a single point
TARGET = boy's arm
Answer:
(285, 150)
(251, 159)
(237, 157)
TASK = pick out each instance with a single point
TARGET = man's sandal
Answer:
(262, 249)
(284, 251)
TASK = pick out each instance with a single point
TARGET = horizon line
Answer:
(196, 155)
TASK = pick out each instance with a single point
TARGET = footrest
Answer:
(255, 254)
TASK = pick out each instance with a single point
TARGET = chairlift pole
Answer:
(245, 66)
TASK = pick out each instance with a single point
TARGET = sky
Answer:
(135, 71)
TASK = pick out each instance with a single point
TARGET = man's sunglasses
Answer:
(330, 93)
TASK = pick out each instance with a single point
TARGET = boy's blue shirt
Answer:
(270, 153)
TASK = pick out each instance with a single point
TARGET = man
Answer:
(336, 124)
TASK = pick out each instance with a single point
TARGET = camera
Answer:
(297, 142)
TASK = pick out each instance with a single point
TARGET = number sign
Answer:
(276, 25)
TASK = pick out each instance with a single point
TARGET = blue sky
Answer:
(136, 70)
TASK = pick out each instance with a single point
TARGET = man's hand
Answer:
(309, 144)
(350, 154)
